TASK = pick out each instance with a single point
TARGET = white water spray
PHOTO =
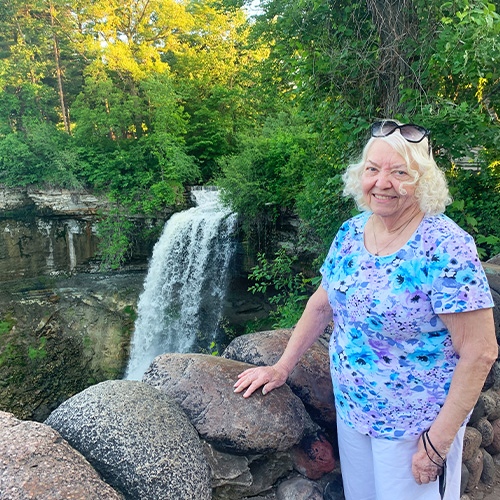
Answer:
(186, 282)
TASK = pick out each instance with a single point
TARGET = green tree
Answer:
(331, 62)
(216, 69)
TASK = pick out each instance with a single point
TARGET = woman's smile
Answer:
(387, 184)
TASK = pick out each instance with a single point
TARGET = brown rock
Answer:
(488, 474)
(494, 447)
(472, 442)
(475, 468)
(36, 463)
(486, 429)
(310, 380)
(314, 456)
(203, 386)
(494, 412)
(490, 403)
(478, 412)
(464, 479)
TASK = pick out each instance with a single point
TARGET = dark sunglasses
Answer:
(410, 131)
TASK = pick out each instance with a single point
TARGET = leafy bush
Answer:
(115, 232)
(40, 154)
(476, 206)
(289, 291)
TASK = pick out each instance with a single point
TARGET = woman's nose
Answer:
(383, 180)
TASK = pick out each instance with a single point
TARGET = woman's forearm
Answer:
(311, 325)
(474, 339)
(315, 318)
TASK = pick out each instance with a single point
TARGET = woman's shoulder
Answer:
(357, 221)
(350, 231)
(439, 233)
(442, 227)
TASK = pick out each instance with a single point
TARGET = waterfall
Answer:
(183, 295)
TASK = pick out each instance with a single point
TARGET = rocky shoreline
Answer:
(182, 433)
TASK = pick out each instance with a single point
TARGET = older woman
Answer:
(414, 335)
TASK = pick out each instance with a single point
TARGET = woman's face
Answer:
(384, 172)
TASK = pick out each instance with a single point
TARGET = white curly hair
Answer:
(431, 188)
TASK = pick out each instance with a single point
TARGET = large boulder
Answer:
(310, 380)
(203, 387)
(140, 440)
(36, 463)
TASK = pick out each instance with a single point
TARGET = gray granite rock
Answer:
(140, 440)
(299, 488)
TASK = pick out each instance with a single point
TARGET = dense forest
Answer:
(139, 99)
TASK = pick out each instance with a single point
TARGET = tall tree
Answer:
(342, 64)
(58, 69)
(396, 23)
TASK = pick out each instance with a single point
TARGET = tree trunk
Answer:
(59, 72)
(394, 23)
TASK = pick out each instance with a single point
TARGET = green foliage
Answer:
(115, 233)
(476, 206)
(36, 353)
(39, 154)
(11, 354)
(213, 349)
(6, 324)
(289, 291)
(141, 99)
(130, 312)
(9, 351)
(268, 174)
(326, 59)
(4, 327)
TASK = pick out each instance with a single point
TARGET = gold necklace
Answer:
(399, 231)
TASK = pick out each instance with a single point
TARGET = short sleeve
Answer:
(329, 264)
(458, 281)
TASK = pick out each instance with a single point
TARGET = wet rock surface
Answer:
(61, 335)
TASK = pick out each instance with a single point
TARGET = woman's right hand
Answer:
(267, 377)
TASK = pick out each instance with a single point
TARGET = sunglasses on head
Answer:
(410, 131)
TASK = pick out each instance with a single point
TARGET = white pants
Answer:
(380, 469)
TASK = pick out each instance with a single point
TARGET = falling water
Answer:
(186, 281)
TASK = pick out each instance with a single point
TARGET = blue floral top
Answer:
(391, 356)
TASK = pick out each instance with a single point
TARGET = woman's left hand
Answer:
(423, 468)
